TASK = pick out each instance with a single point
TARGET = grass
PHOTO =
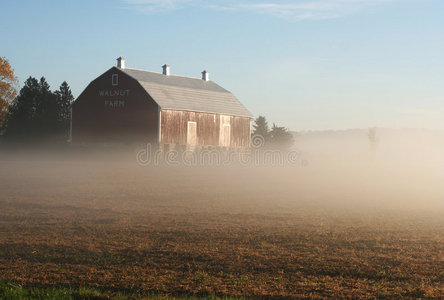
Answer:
(125, 232)
(11, 291)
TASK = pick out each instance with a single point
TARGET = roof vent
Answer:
(206, 76)
(166, 70)
(121, 63)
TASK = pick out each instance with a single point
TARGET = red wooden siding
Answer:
(174, 128)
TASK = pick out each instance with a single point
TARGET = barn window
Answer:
(115, 79)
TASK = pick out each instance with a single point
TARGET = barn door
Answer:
(191, 134)
(226, 134)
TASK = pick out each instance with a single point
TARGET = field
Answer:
(282, 232)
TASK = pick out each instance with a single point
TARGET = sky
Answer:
(304, 64)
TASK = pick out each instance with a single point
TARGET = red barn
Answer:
(133, 106)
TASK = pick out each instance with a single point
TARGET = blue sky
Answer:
(304, 64)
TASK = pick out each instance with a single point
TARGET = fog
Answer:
(347, 218)
(340, 170)
(402, 170)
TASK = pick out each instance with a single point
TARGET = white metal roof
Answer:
(185, 93)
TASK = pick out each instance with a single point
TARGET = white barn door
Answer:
(225, 131)
(226, 135)
(191, 134)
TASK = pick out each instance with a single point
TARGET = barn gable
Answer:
(114, 107)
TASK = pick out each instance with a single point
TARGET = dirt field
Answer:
(282, 231)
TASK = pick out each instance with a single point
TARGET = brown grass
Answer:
(265, 232)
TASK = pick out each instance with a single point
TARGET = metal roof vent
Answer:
(206, 76)
(121, 63)
(166, 70)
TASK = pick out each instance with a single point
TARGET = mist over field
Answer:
(355, 220)
(403, 168)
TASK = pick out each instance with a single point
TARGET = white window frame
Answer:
(115, 79)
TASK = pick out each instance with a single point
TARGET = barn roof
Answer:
(185, 93)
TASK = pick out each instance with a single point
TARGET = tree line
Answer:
(277, 137)
(35, 113)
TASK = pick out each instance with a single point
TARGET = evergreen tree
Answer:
(64, 101)
(45, 120)
(281, 137)
(19, 122)
(261, 128)
(38, 114)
